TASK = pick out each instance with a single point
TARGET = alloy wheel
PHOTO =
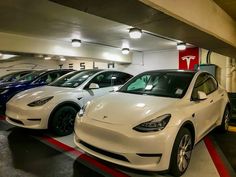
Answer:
(184, 152)
(226, 119)
(66, 121)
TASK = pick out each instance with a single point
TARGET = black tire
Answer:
(225, 120)
(62, 121)
(180, 156)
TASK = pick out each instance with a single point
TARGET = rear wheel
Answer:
(62, 122)
(181, 152)
(225, 120)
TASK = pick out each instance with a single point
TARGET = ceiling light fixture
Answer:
(125, 51)
(135, 33)
(62, 59)
(76, 43)
(47, 58)
(181, 46)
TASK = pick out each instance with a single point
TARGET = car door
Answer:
(107, 81)
(203, 111)
(217, 98)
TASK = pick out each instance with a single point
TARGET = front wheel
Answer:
(62, 122)
(181, 152)
(225, 120)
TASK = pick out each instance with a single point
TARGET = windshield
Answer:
(13, 76)
(164, 84)
(73, 79)
(30, 77)
(10, 77)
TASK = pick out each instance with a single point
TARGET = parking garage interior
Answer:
(96, 35)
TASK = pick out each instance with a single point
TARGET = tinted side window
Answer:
(53, 76)
(48, 78)
(41, 79)
(119, 78)
(103, 79)
(204, 83)
(211, 84)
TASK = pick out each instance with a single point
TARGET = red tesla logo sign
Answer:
(188, 58)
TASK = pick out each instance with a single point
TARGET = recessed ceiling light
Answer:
(47, 58)
(62, 59)
(125, 51)
(135, 33)
(76, 43)
(181, 46)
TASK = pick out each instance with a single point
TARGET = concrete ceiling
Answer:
(137, 14)
(229, 7)
(49, 20)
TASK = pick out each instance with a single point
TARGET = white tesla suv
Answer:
(55, 106)
(154, 120)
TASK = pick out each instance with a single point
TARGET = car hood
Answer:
(124, 108)
(38, 93)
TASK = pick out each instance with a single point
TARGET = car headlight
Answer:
(3, 91)
(83, 110)
(40, 102)
(156, 124)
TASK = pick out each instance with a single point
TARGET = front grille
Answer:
(16, 121)
(106, 153)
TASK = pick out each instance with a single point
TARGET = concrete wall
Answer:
(25, 63)
(143, 61)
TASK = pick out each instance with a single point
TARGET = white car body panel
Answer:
(17, 108)
(108, 122)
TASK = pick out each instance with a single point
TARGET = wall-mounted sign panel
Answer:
(188, 58)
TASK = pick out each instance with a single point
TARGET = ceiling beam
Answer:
(19, 43)
(163, 20)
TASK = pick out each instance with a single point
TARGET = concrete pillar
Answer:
(228, 74)
(234, 75)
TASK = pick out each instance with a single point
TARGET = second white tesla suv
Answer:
(55, 106)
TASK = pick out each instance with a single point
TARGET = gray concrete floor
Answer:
(23, 153)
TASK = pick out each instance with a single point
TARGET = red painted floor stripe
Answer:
(85, 157)
(220, 166)
(2, 117)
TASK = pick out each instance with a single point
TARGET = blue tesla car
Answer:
(11, 77)
(31, 80)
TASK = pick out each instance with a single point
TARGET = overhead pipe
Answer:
(233, 70)
(208, 57)
(229, 73)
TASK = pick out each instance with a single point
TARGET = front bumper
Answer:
(27, 117)
(143, 151)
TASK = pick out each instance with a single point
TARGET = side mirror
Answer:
(201, 95)
(116, 88)
(93, 86)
